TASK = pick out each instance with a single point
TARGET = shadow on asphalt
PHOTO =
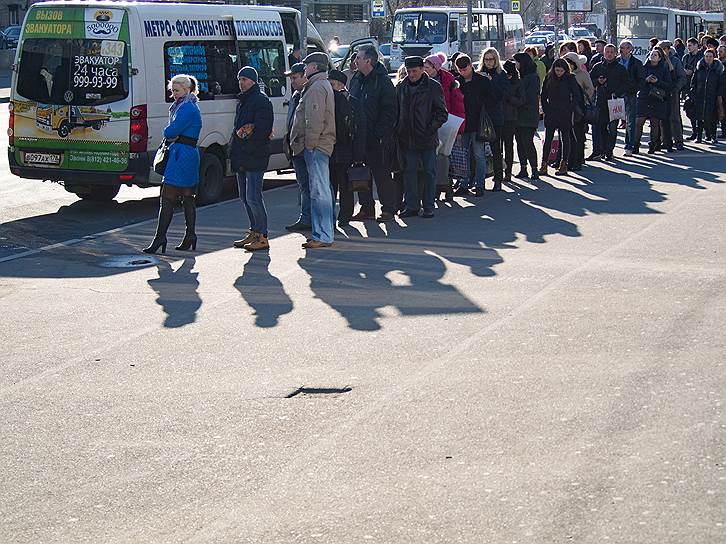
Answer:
(393, 265)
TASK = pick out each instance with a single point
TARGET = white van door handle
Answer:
(286, 103)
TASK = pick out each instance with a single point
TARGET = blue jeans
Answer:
(410, 179)
(303, 183)
(250, 193)
(477, 149)
(322, 212)
(631, 110)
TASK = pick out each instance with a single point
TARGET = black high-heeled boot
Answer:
(190, 218)
(166, 211)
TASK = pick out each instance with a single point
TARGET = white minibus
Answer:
(89, 100)
(642, 24)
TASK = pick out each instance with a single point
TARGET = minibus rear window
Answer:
(80, 72)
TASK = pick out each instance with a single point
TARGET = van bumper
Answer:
(137, 172)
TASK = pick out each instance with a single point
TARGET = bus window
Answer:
(213, 63)
(420, 27)
(268, 58)
(642, 25)
(492, 27)
(453, 31)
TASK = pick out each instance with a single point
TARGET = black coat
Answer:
(635, 75)
(252, 154)
(421, 112)
(616, 85)
(705, 88)
(513, 101)
(378, 97)
(347, 150)
(649, 106)
(480, 93)
(560, 97)
(495, 91)
(528, 112)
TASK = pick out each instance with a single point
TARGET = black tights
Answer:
(171, 192)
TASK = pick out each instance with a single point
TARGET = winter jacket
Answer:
(528, 112)
(348, 150)
(650, 106)
(294, 101)
(635, 74)
(690, 61)
(182, 170)
(473, 92)
(496, 90)
(253, 153)
(314, 124)
(678, 75)
(560, 97)
(596, 58)
(421, 112)
(513, 101)
(617, 80)
(453, 96)
(585, 83)
(541, 71)
(705, 89)
(378, 96)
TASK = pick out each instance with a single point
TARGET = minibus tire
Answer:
(96, 193)
(211, 179)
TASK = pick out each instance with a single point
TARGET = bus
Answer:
(712, 23)
(428, 30)
(642, 24)
(513, 34)
(88, 100)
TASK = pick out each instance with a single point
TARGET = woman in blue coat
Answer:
(181, 174)
(652, 99)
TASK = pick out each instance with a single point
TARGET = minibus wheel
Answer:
(211, 179)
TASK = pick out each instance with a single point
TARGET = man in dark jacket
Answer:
(350, 133)
(378, 97)
(297, 82)
(475, 88)
(634, 67)
(250, 155)
(421, 112)
(597, 56)
(610, 79)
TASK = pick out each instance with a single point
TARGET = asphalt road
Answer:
(542, 365)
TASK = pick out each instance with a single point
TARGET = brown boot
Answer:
(543, 169)
(562, 170)
(260, 242)
(251, 235)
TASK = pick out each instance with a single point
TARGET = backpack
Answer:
(345, 127)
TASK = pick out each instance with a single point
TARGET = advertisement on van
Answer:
(72, 101)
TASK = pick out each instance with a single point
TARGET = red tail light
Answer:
(139, 132)
(11, 124)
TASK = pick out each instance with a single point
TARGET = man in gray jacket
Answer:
(313, 136)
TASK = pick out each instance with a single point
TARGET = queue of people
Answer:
(350, 132)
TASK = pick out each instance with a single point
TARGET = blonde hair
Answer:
(400, 74)
(185, 80)
(497, 60)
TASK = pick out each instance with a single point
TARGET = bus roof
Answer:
(447, 9)
(657, 9)
(210, 9)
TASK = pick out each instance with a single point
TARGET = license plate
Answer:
(43, 158)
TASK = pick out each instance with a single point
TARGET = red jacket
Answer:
(452, 95)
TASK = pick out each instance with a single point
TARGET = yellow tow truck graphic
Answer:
(64, 119)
